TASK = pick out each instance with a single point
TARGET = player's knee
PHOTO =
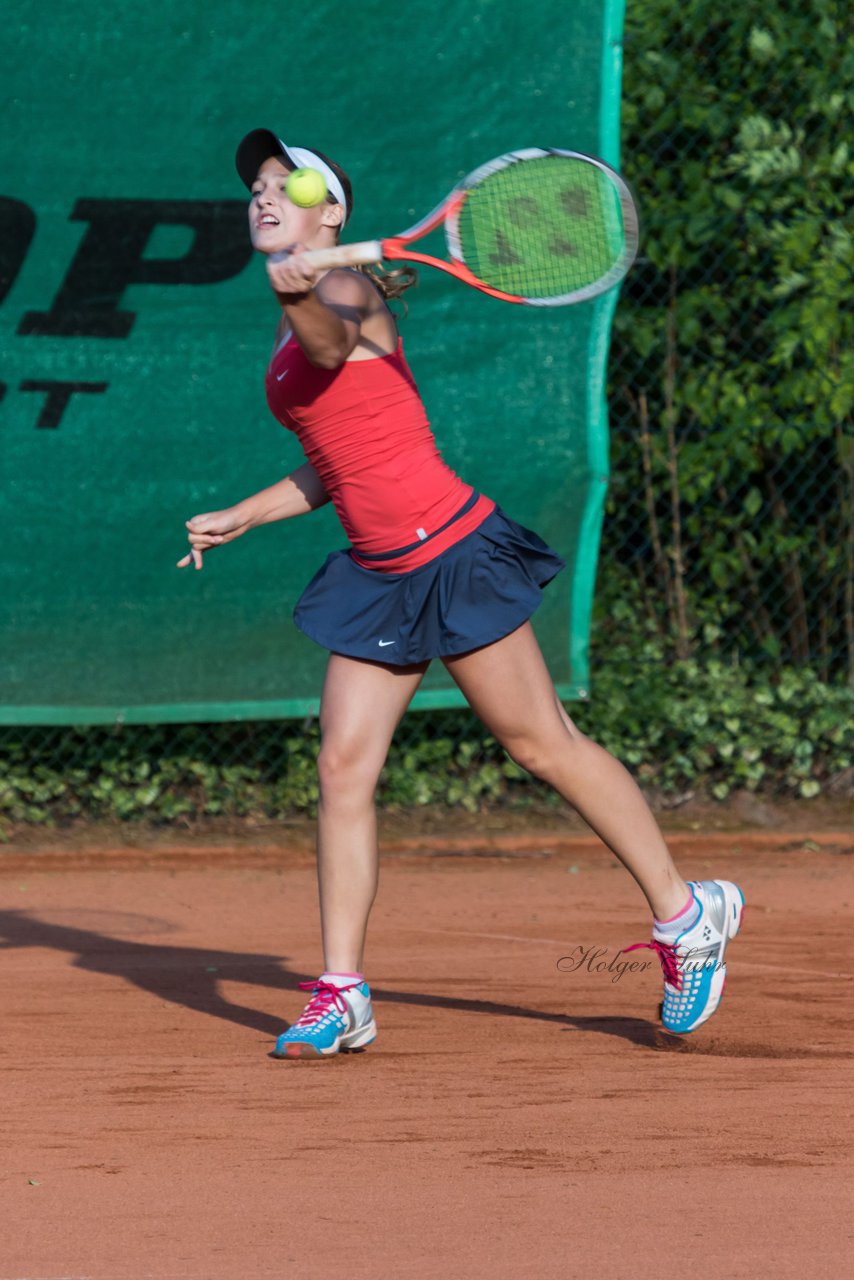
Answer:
(531, 754)
(542, 755)
(345, 767)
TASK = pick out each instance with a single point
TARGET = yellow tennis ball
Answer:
(306, 187)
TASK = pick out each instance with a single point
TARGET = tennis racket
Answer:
(540, 226)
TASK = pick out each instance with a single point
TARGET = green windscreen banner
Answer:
(137, 325)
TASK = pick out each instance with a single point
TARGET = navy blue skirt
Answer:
(480, 589)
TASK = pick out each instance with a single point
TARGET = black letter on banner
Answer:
(58, 395)
(110, 258)
(17, 225)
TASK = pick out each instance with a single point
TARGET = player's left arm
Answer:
(325, 311)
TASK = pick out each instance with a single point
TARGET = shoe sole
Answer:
(735, 907)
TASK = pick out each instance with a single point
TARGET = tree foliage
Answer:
(732, 367)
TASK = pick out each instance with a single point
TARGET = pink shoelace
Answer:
(326, 996)
(666, 953)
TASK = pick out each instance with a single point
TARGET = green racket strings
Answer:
(542, 228)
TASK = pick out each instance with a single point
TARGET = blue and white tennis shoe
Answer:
(693, 962)
(335, 1020)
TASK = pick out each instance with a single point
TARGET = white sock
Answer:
(686, 919)
(341, 979)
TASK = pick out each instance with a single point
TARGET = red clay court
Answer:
(511, 1120)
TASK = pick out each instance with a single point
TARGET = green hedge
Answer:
(683, 726)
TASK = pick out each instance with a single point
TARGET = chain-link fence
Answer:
(724, 637)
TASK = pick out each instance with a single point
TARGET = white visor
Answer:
(306, 159)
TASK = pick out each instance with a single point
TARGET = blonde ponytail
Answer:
(392, 282)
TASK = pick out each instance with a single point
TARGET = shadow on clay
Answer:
(191, 976)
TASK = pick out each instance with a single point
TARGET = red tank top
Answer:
(364, 430)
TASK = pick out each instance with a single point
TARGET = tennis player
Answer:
(434, 570)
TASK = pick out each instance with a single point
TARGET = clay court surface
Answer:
(515, 1117)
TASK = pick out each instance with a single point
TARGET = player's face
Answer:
(275, 222)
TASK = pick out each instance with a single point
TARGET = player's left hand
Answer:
(212, 529)
(289, 273)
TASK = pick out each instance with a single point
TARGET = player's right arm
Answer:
(300, 492)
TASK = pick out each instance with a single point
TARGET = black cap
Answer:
(260, 144)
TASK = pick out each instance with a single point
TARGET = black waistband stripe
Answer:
(413, 546)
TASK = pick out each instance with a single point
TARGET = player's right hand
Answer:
(289, 273)
(212, 529)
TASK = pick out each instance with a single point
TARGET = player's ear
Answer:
(333, 215)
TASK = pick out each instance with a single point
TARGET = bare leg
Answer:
(360, 709)
(508, 686)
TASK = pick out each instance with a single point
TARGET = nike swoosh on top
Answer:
(279, 376)
(384, 643)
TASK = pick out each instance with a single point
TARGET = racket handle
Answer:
(346, 255)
